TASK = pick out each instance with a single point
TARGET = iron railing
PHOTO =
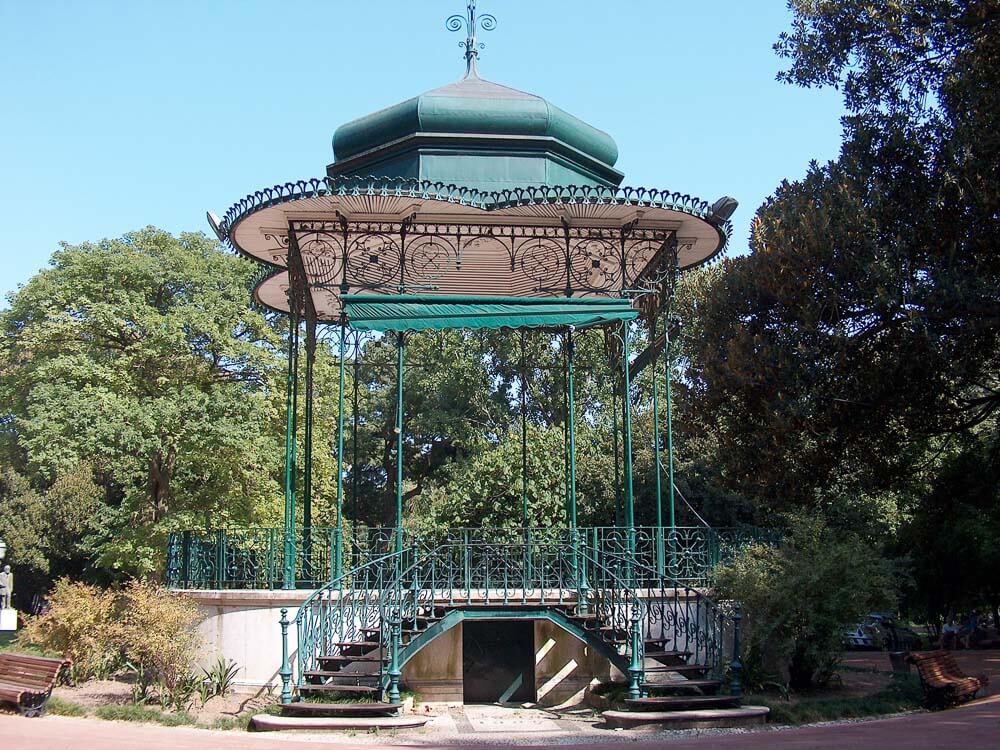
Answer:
(630, 601)
(255, 558)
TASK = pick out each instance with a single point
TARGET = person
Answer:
(6, 587)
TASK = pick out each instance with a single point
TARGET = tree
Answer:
(42, 526)
(140, 357)
(865, 323)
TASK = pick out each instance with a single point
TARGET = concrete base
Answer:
(268, 723)
(720, 718)
(242, 626)
(8, 619)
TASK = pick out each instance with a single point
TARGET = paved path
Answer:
(975, 725)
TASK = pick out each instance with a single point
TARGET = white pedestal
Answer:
(8, 619)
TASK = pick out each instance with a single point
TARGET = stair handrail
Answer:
(693, 620)
(351, 607)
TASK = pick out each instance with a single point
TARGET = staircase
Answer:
(356, 633)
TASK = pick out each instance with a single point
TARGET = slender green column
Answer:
(285, 671)
(355, 473)
(524, 437)
(307, 447)
(656, 464)
(571, 429)
(619, 512)
(667, 368)
(627, 440)
(288, 572)
(400, 352)
(338, 538)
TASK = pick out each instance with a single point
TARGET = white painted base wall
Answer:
(243, 626)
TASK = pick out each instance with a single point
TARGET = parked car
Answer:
(881, 631)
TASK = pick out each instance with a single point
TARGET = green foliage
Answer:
(41, 525)
(154, 631)
(142, 627)
(800, 596)
(952, 537)
(140, 358)
(485, 489)
(228, 723)
(144, 715)
(61, 707)
(221, 677)
(81, 624)
(903, 694)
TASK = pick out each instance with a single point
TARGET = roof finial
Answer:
(471, 21)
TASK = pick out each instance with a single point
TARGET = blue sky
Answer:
(127, 113)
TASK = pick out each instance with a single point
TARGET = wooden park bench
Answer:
(27, 681)
(943, 682)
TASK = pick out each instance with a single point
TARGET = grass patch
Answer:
(180, 719)
(10, 644)
(143, 714)
(338, 699)
(128, 713)
(904, 694)
(62, 707)
(229, 723)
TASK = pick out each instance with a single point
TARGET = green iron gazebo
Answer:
(473, 206)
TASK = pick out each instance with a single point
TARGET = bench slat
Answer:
(27, 681)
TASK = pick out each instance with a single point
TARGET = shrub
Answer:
(80, 623)
(156, 636)
(221, 678)
(799, 597)
(143, 626)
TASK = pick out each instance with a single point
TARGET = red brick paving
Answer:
(974, 725)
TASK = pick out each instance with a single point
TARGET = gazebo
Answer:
(477, 206)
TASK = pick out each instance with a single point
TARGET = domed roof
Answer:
(480, 110)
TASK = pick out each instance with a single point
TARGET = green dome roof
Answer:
(474, 106)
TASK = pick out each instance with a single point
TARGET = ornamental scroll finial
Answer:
(471, 21)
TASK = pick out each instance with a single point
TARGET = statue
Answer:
(6, 587)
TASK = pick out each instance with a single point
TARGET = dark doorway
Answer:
(498, 658)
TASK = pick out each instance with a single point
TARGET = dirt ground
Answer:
(973, 662)
(96, 693)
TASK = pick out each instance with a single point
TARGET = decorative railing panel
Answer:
(505, 557)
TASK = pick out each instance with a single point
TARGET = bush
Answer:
(156, 636)
(80, 623)
(143, 626)
(799, 597)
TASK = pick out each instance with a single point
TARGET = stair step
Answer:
(268, 723)
(339, 659)
(664, 656)
(745, 716)
(679, 668)
(340, 709)
(328, 687)
(358, 644)
(706, 687)
(682, 702)
(327, 673)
